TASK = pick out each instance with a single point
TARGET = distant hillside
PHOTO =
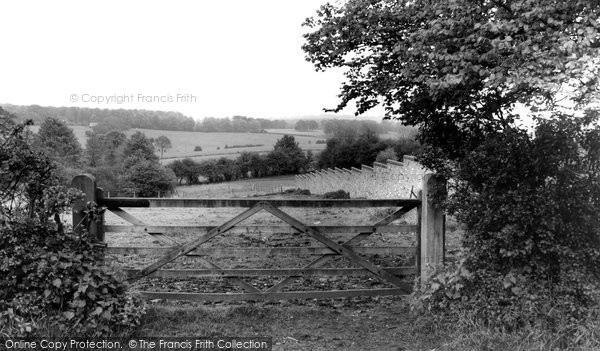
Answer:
(120, 119)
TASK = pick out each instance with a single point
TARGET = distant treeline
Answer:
(239, 124)
(120, 119)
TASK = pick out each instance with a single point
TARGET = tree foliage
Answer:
(51, 280)
(105, 119)
(456, 69)
(59, 141)
(162, 143)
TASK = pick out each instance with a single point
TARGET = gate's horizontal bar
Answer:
(171, 202)
(259, 272)
(265, 251)
(402, 228)
(269, 296)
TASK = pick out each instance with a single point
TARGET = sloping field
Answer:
(213, 145)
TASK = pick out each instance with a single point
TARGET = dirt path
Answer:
(382, 323)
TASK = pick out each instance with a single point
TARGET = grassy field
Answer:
(215, 145)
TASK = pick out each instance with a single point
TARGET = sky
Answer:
(201, 58)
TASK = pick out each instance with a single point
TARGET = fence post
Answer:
(432, 226)
(87, 184)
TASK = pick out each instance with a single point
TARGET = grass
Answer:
(384, 323)
(334, 324)
(213, 144)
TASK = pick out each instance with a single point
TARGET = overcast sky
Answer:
(218, 58)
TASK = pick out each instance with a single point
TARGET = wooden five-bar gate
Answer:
(428, 251)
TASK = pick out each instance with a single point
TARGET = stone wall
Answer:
(393, 179)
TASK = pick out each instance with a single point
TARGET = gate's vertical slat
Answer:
(100, 227)
(418, 235)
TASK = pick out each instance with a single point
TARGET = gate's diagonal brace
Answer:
(394, 216)
(352, 241)
(126, 216)
(342, 250)
(135, 221)
(186, 248)
(206, 263)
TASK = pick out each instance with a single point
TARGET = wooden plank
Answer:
(394, 216)
(186, 248)
(342, 250)
(169, 241)
(244, 285)
(402, 228)
(318, 262)
(218, 252)
(353, 241)
(260, 272)
(126, 216)
(269, 296)
(115, 202)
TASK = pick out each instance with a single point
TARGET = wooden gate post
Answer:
(87, 184)
(432, 226)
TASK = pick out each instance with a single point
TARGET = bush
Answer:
(530, 208)
(52, 285)
(297, 191)
(198, 148)
(338, 194)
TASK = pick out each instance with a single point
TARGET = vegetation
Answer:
(117, 119)
(162, 143)
(242, 146)
(338, 194)
(457, 70)
(305, 126)
(286, 158)
(352, 151)
(238, 124)
(53, 283)
(387, 154)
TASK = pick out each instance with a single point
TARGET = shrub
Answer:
(297, 191)
(338, 194)
(530, 205)
(198, 148)
(53, 285)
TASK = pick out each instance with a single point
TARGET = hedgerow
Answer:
(530, 205)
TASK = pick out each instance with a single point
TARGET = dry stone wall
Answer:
(390, 180)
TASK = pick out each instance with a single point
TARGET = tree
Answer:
(139, 146)
(187, 170)
(387, 154)
(147, 179)
(457, 70)
(287, 157)
(162, 143)
(59, 141)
